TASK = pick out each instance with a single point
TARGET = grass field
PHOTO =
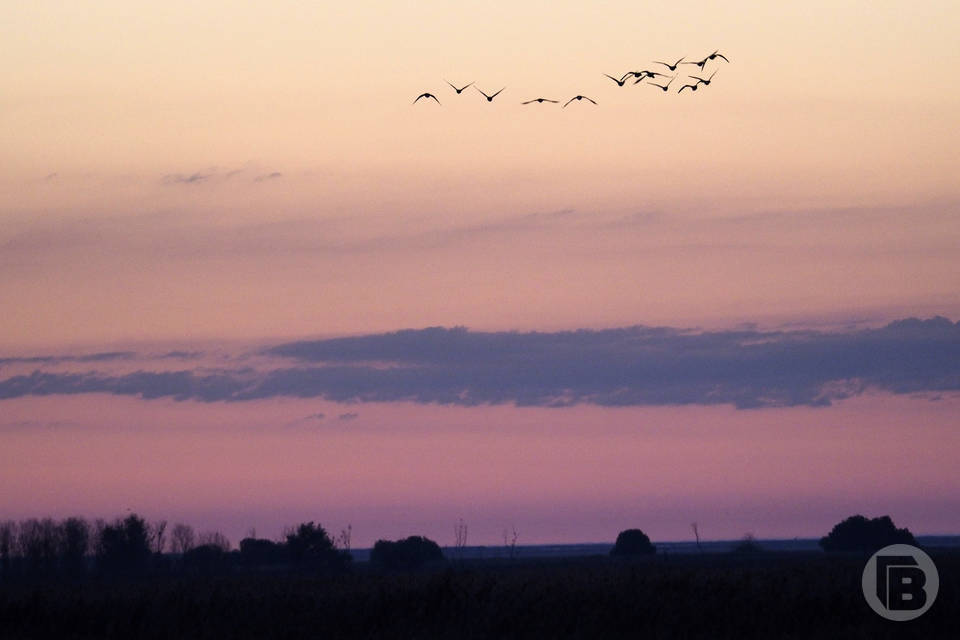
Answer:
(762, 595)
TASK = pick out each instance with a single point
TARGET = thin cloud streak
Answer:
(634, 366)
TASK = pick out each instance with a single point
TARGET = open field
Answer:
(762, 595)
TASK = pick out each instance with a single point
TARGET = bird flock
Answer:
(691, 82)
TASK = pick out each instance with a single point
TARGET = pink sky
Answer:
(219, 174)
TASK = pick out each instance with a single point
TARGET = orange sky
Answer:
(108, 108)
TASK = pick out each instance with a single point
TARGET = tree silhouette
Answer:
(182, 538)
(74, 544)
(410, 553)
(858, 533)
(311, 548)
(632, 542)
(124, 546)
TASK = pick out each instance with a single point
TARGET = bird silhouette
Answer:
(649, 74)
(620, 81)
(635, 74)
(702, 81)
(716, 54)
(540, 100)
(460, 90)
(693, 87)
(662, 87)
(426, 95)
(489, 98)
(700, 63)
(578, 98)
(672, 67)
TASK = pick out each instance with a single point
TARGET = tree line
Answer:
(75, 547)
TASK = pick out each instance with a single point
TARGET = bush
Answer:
(858, 533)
(632, 542)
(747, 544)
(410, 553)
(206, 559)
(255, 552)
(309, 547)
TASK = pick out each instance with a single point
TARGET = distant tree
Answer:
(310, 547)
(124, 546)
(206, 559)
(214, 539)
(858, 533)
(747, 544)
(410, 553)
(182, 538)
(632, 542)
(255, 552)
(39, 543)
(8, 542)
(158, 536)
(74, 542)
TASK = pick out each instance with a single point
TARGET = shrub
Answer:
(410, 553)
(632, 542)
(858, 533)
(309, 547)
(747, 544)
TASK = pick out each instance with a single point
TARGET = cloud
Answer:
(268, 176)
(632, 366)
(91, 357)
(191, 178)
(348, 416)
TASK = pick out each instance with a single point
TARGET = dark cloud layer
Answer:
(614, 367)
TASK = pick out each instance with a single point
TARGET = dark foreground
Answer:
(762, 595)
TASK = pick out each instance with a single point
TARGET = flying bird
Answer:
(620, 81)
(635, 74)
(649, 74)
(716, 54)
(426, 95)
(699, 64)
(489, 98)
(672, 67)
(540, 100)
(702, 81)
(663, 87)
(460, 90)
(693, 87)
(578, 98)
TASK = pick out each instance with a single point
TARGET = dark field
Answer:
(762, 595)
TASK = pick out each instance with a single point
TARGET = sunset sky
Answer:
(217, 219)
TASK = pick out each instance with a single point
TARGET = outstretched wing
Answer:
(569, 101)
(496, 94)
(720, 55)
(586, 98)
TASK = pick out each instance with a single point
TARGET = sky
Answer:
(222, 221)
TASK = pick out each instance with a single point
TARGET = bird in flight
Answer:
(663, 87)
(649, 74)
(702, 81)
(460, 90)
(672, 67)
(699, 64)
(426, 95)
(716, 54)
(620, 81)
(540, 100)
(489, 98)
(578, 98)
(693, 87)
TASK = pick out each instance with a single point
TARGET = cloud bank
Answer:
(632, 366)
